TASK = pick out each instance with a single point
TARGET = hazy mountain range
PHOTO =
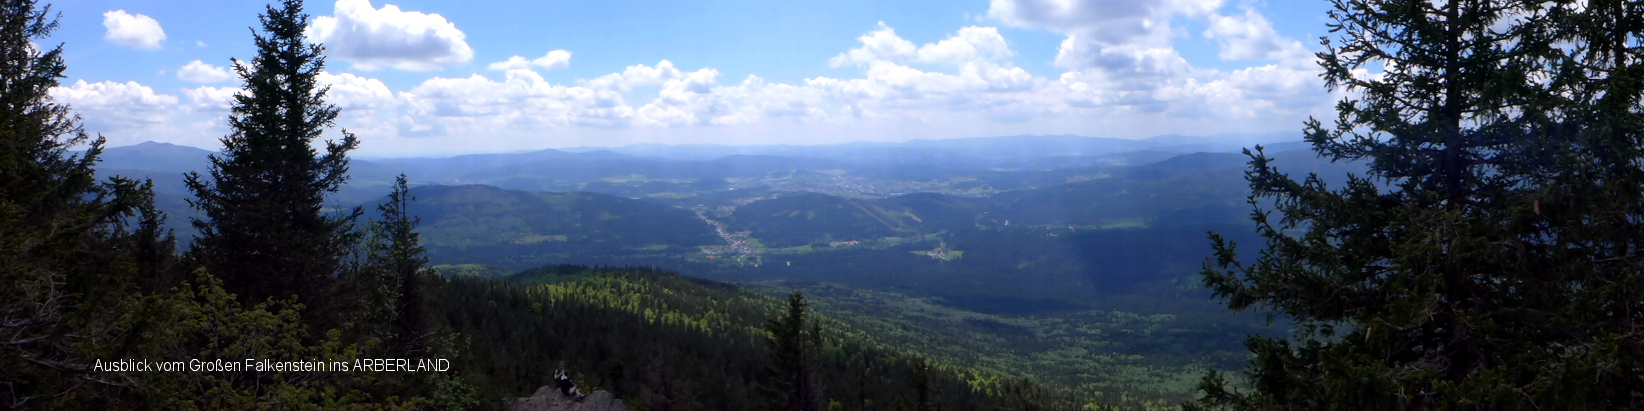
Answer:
(1030, 217)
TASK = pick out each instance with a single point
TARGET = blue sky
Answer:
(445, 77)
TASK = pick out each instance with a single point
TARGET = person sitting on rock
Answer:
(563, 378)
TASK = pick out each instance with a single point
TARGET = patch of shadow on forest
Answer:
(999, 328)
(1007, 305)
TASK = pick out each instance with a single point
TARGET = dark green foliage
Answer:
(471, 270)
(61, 231)
(925, 394)
(265, 231)
(514, 229)
(659, 341)
(1017, 265)
(1190, 190)
(403, 257)
(800, 219)
(482, 224)
(154, 247)
(199, 320)
(388, 280)
(1132, 230)
(1155, 194)
(795, 344)
(390, 312)
(1140, 353)
(1490, 259)
(90, 275)
(515, 332)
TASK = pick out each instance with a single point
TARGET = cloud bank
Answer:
(1121, 75)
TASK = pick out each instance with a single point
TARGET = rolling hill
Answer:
(475, 223)
(1127, 230)
(1067, 234)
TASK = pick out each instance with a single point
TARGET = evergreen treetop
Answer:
(1491, 259)
(59, 278)
(796, 351)
(266, 231)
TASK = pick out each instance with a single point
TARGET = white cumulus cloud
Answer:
(1109, 21)
(135, 30)
(878, 45)
(127, 112)
(1250, 37)
(1120, 56)
(124, 102)
(211, 99)
(353, 92)
(201, 72)
(1092, 26)
(971, 44)
(556, 59)
(1120, 76)
(638, 75)
(372, 38)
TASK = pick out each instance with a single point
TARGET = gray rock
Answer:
(549, 399)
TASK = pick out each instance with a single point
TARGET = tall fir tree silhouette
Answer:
(63, 235)
(796, 355)
(265, 229)
(1492, 257)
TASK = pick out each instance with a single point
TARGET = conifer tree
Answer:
(924, 387)
(266, 232)
(59, 227)
(154, 247)
(1491, 259)
(796, 350)
(405, 260)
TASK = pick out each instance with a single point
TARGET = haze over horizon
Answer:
(437, 78)
(1223, 139)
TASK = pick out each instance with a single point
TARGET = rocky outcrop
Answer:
(549, 399)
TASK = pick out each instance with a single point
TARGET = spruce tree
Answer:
(266, 231)
(60, 229)
(925, 392)
(1491, 258)
(796, 350)
(405, 260)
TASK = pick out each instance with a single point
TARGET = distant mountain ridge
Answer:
(899, 216)
(1018, 145)
(688, 170)
(138, 156)
(155, 156)
(1117, 231)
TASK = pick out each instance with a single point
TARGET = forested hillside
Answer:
(663, 341)
(938, 244)
(1135, 351)
(522, 229)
